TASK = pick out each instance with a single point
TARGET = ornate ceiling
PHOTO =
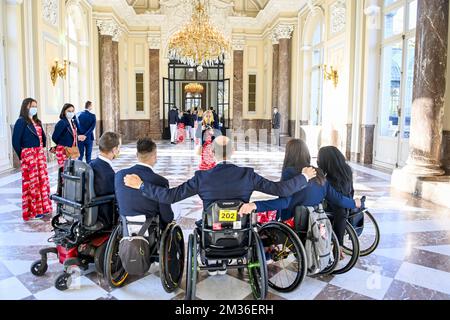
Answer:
(249, 8)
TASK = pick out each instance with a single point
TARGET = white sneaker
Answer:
(222, 272)
(212, 273)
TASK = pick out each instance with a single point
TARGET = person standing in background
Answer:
(276, 126)
(87, 122)
(29, 142)
(216, 118)
(66, 136)
(173, 122)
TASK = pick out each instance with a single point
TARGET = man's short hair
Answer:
(88, 105)
(223, 148)
(145, 146)
(109, 141)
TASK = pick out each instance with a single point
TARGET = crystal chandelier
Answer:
(198, 44)
(194, 88)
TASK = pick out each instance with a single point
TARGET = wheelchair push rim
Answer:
(114, 272)
(171, 258)
(192, 267)
(257, 268)
(288, 267)
(370, 236)
(351, 255)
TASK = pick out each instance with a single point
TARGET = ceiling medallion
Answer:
(199, 44)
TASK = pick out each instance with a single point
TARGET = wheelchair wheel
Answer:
(351, 242)
(171, 258)
(192, 267)
(284, 248)
(99, 258)
(335, 250)
(369, 237)
(257, 268)
(114, 272)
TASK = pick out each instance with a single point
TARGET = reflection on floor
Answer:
(411, 262)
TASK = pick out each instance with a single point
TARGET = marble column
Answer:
(275, 65)
(423, 174)
(109, 75)
(284, 33)
(154, 74)
(238, 83)
(429, 88)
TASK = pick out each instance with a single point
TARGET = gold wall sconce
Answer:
(331, 75)
(58, 71)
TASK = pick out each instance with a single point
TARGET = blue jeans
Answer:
(86, 146)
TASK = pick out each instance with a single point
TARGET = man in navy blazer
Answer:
(224, 182)
(109, 145)
(132, 202)
(87, 122)
(173, 122)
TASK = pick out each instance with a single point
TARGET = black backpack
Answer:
(135, 251)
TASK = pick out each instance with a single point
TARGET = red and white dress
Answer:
(61, 155)
(181, 133)
(208, 160)
(35, 181)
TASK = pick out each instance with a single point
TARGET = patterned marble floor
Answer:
(411, 262)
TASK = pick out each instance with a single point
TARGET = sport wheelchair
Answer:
(226, 237)
(166, 246)
(80, 238)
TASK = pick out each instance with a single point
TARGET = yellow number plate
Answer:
(228, 215)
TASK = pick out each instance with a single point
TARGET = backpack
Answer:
(318, 240)
(135, 251)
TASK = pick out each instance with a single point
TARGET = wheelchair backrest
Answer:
(225, 215)
(77, 180)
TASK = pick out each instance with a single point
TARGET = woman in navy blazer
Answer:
(29, 142)
(319, 189)
(65, 133)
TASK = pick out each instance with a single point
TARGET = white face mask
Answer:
(33, 111)
(70, 115)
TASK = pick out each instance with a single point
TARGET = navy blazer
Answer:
(86, 123)
(25, 136)
(173, 117)
(133, 203)
(312, 195)
(224, 182)
(63, 135)
(216, 123)
(104, 186)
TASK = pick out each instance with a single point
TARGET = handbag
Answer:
(73, 152)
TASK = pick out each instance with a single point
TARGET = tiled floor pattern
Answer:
(412, 261)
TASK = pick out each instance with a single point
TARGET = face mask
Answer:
(33, 112)
(70, 115)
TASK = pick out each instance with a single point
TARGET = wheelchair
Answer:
(167, 248)
(226, 237)
(336, 265)
(287, 264)
(80, 238)
(366, 228)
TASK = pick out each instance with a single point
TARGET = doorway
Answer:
(216, 92)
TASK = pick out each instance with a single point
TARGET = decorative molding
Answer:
(238, 44)
(108, 27)
(338, 17)
(283, 31)
(50, 9)
(154, 41)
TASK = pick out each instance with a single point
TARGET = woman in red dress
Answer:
(208, 160)
(29, 142)
(65, 134)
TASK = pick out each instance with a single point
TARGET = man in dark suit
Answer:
(131, 201)
(104, 174)
(224, 182)
(216, 123)
(173, 123)
(276, 126)
(87, 122)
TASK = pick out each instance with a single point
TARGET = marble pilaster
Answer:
(284, 33)
(155, 123)
(238, 86)
(424, 161)
(116, 92)
(275, 65)
(366, 141)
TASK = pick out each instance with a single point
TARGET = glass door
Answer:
(396, 85)
(168, 103)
